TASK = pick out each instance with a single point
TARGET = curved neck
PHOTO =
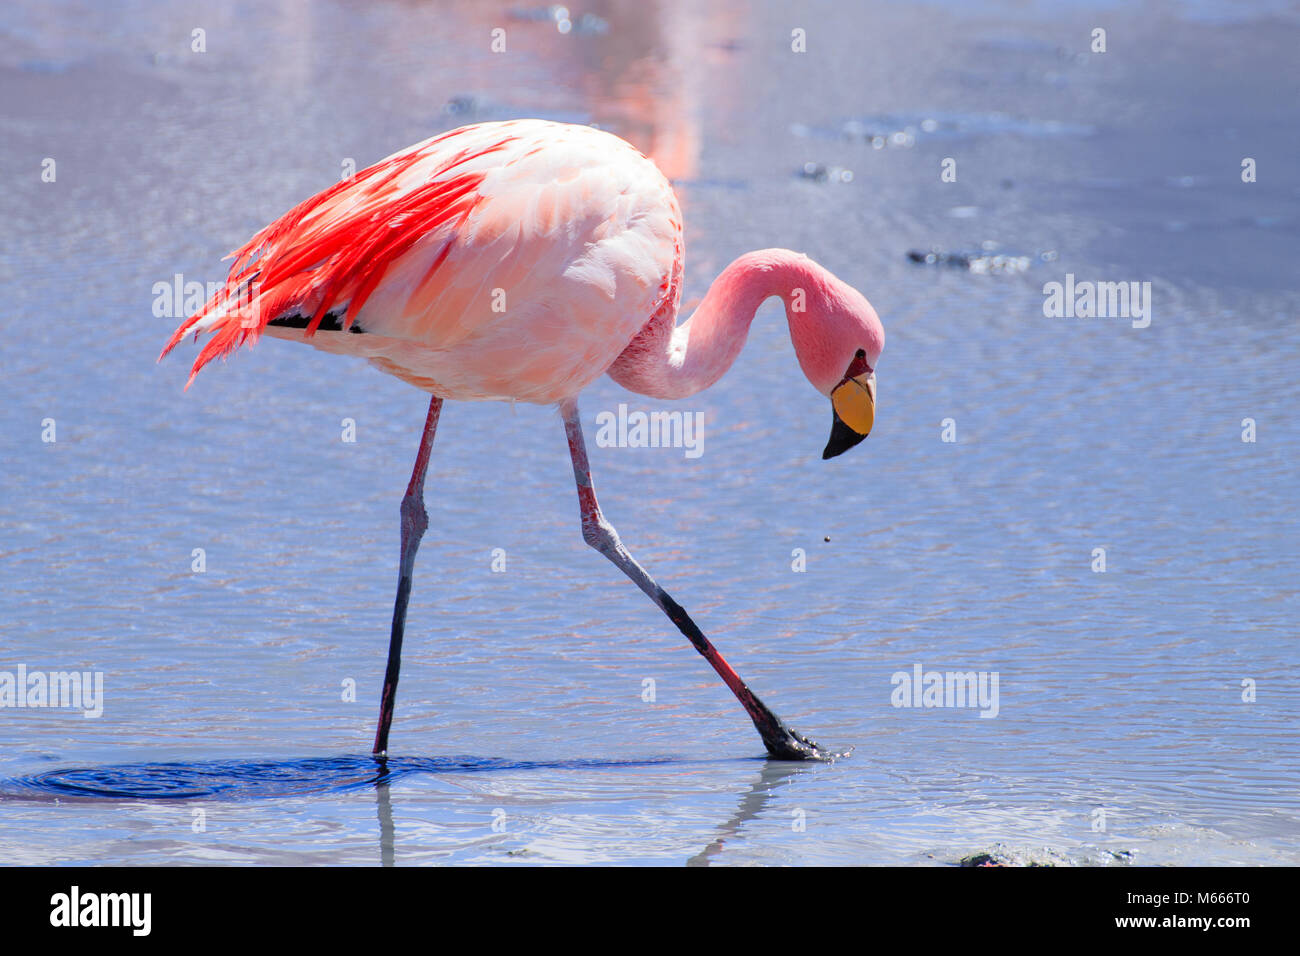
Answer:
(676, 362)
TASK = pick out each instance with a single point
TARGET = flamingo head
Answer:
(838, 339)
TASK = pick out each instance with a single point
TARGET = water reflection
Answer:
(642, 75)
(324, 776)
(387, 834)
(772, 775)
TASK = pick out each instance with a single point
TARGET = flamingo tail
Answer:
(329, 252)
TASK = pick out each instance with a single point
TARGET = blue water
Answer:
(237, 699)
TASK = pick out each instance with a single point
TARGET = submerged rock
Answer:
(1001, 855)
(984, 262)
(821, 173)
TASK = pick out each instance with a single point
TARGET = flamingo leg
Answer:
(415, 520)
(781, 742)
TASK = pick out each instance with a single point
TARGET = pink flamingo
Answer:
(520, 261)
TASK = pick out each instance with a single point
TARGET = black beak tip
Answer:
(842, 439)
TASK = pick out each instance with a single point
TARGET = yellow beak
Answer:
(854, 404)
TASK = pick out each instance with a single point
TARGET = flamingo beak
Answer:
(853, 403)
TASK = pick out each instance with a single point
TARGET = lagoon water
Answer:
(548, 713)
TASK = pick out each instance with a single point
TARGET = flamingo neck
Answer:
(667, 361)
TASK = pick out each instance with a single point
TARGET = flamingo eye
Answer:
(859, 366)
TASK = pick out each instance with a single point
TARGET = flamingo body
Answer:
(510, 260)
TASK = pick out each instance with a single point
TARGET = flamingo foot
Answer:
(785, 744)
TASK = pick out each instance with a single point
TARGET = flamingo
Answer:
(519, 261)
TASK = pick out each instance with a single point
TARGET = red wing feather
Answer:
(330, 252)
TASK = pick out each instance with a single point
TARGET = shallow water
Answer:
(522, 734)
